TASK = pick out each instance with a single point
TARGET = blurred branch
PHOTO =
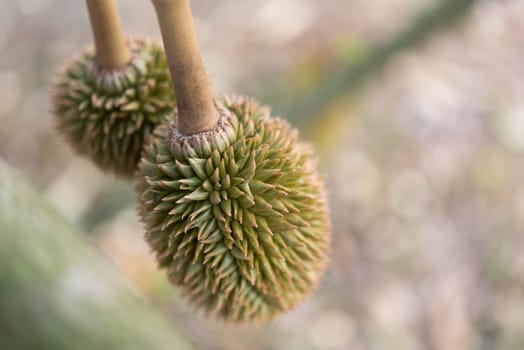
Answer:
(300, 109)
(56, 292)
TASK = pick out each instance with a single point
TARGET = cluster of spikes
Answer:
(108, 115)
(237, 215)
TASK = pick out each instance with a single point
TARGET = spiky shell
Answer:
(107, 115)
(236, 215)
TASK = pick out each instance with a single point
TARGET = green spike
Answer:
(215, 178)
(235, 192)
(170, 184)
(185, 170)
(226, 207)
(200, 208)
(214, 197)
(190, 183)
(219, 251)
(249, 169)
(215, 157)
(214, 237)
(250, 219)
(198, 165)
(237, 230)
(209, 167)
(197, 195)
(207, 230)
(260, 187)
(179, 209)
(226, 182)
(232, 167)
(238, 254)
(206, 185)
(218, 214)
(246, 202)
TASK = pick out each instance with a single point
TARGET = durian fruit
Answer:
(108, 114)
(233, 206)
(237, 215)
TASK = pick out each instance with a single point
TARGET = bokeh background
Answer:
(416, 109)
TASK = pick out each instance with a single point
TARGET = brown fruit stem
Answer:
(196, 109)
(111, 47)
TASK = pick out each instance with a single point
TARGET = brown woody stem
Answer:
(196, 109)
(111, 47)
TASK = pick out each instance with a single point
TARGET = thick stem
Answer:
(111, 47)
(196, 109)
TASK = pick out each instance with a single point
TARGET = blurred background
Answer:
(416, 109)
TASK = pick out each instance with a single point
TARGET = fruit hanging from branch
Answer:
(107, 100)
(231, 200)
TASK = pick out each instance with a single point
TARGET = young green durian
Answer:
(237, 215)
(109, 98)
(108, 114)
(232, 203)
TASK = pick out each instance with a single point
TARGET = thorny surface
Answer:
(426, 186)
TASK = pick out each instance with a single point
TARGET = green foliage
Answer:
(56, 292)
(109, 115)
(236, 215)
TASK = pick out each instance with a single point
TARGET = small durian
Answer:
(108, 114)
(237, 215)
(232, 203)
